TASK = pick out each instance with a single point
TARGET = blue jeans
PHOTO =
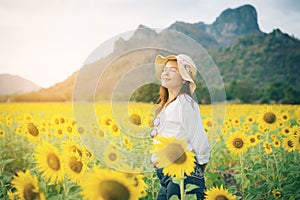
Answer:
(168, 188)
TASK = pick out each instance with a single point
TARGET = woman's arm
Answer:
(197, 140)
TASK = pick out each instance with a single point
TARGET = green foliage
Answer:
(261, 68)
(146, 93)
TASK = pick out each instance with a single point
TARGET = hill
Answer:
(11, 84)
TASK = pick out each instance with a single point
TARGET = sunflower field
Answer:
(56, 151)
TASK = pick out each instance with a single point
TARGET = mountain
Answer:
(11, 84)
(59, 92)
(225, 30)
(256, 67)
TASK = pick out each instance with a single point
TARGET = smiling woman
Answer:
(179, 117)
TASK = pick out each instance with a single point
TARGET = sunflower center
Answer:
(32, 129)
(135, 119)
(238, 143)
(277, 194)
(252, 140)
(286, 131)
(113, 190)
(53, 161)
(115, 128)
(112, 157)
(176, 153)
(80, 130)
(221, 197)
(268, 147)
(290, 143)
(101, 133)
(209, 124)
(60, 132)
(108, 122)
(69, 129)
(269, 117)
(56, 121)
(28, 192)
(75, 165)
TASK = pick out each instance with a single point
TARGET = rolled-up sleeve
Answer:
(197, 140)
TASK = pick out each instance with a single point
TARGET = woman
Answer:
(179, 116)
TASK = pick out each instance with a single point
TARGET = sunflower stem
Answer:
(182, 194)
(242, 175)
(66, 188)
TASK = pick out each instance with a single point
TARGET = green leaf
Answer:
(191, 197)
(190, 187)
(174, 197)
(7, 161)
(176, 180)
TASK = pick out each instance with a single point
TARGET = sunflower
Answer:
(27, 117)
(2, 133)
(26, 186)
(137, 177)
(285, 117)
(80, 129)
(32, 132)
(135, 118)
(258, 136)
(58, 131)
(277, 193)
(71, 146)
(55, 120)
(69, 128)
(288, 144)
(104, 184)
(112, 156)
(276, 143)
(208, 124)
(75, 165)
(114, 129)
(173, 156)
(105, 122)
(286, 131)
(237, 142)
(268, 147)
(49, 162)
(9, 120)
(296, 142)
(43, 128)
(253, 141)
(246, 126)
(295, 131)
(216, 193)
(269, 118)
(236, 122)
(250, 119)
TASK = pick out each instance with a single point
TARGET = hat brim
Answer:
(160, 62)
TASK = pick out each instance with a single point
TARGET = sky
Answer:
(45, 41)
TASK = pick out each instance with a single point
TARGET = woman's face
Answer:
(170, 76)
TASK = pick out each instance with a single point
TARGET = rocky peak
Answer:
(235, 22)
(242, 20)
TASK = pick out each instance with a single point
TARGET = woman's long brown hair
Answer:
(164, 95)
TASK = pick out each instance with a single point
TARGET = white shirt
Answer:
(182, 119)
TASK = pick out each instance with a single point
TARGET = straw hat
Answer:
(186, 67)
